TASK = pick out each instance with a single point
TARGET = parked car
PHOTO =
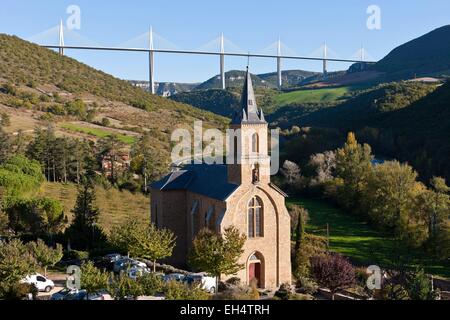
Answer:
(107, 262)
(76, 295)
(205, 282)
(113, 257)
(174, 276)
(126, 263)
(39, 281)
(69, 294)
(135, 272)
(62, 294)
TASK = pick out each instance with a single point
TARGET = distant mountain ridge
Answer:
(165, 89)
(428, 55)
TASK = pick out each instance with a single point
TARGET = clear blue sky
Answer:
(250, 24)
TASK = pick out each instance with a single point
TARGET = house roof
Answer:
(204, 179)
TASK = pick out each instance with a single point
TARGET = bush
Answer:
(125, 288)
(57, 109)
(306, 285)
(151, 284)
(238, 293)
(18, 291)
(76, 255)
(106, 122)
(310, 246)
(174, 290)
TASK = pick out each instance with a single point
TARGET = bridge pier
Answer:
(325, 62)
(151, 80)
(279, 72)
(61, 39)
(325, 70)
(151, 64)
(222, 63)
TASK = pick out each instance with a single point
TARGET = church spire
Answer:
(250, 112)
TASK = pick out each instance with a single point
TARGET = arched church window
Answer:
(255, 218)
(255, 143)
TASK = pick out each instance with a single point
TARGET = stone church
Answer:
(239, 193)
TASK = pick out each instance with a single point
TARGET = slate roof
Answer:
(204, 179)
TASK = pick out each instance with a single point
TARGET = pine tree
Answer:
(109, 148)
(84, 231)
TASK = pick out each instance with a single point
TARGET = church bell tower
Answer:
(248, 158)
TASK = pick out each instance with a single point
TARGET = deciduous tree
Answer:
(353, 164)
(45, 255)
(93, 279)
(218, 254)
(142, 240)
(333, 271)
(16, 261)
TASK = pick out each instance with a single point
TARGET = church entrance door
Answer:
(254, 273)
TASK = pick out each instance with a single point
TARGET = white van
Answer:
(206, 282)
(39, 281)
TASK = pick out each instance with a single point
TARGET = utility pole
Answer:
(151, 61)
(279, 75)
(222, 62)
(61, 38)
(363, 57)
(328, 236)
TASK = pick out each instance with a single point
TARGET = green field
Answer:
(99, 133)
(311, 96)
(355, 238)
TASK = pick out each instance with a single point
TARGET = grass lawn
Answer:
(355, 238)
(311, 96)
(99, 133)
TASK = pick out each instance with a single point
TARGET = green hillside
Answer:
(408, 121)
(312, 96)
(357, 239)
(362, 110)
(428, 55)
(23, 63)
(38, 86)
(223, 102)
(420, 133)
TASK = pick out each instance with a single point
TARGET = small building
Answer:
(121, 161)
(237, 194)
